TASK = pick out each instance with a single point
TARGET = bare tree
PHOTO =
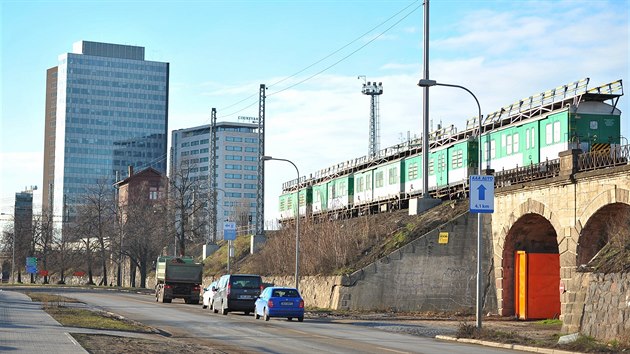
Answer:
(98, 211)
(43, 238)
(188, 200)
(147, 230)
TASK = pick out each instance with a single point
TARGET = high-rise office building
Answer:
(106, 109)
(236, 178)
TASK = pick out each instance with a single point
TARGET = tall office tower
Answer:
(106, 109)
(236, 169)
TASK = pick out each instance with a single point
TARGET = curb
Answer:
(504, 345)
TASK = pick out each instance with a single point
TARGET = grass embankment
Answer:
(60, 309)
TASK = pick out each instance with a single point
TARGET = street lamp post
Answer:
(297, 220)
(428, 83)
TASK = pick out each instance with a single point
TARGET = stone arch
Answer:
(530, 216)
(600, 215)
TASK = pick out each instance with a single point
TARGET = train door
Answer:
(537, 284)
(531, 153)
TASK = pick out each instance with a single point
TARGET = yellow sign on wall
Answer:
(443, 238)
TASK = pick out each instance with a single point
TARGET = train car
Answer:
(363, 187)
(387, 181)
(593, 125)
(320, 198)
(340, 192)
(447, 165)
(412, 175)
(291, 201)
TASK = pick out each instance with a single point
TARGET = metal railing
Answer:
(533, 172)
(615, 156)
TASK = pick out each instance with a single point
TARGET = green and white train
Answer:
(528, 132)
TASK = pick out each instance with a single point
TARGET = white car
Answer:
(208, 294)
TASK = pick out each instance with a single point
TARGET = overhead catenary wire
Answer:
(254, 102)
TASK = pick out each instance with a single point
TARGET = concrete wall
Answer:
(425, 275)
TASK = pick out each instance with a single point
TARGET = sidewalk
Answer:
(26, 328)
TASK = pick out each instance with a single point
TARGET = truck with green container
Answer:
(178, 277)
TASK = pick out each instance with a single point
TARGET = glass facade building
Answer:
(106, 109)
(236, 180)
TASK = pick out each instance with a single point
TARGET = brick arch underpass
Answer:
(568, 212)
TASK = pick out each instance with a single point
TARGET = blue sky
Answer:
(221, 51)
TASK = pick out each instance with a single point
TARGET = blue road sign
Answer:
(229, 231)
(481, 194)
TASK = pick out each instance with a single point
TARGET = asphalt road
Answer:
(246, 334)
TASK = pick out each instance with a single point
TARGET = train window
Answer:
(457, 159)
(316, 198)
(526, 139)
(393, 175)
(368, 182)
(515, 143)
(378, 179)
(556, 132)
(360, 182)
(509, 145)
(533, 133)
(413, 171)
(548, 133)
(431, 167)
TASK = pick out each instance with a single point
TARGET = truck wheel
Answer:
(301, 319)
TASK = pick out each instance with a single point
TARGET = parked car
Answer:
(208, 294)
(280, 302)
(237, 292)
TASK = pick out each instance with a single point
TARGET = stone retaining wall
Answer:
(605, 310)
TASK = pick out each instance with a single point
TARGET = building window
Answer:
(233, 148)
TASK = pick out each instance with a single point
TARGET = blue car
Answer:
(280, 302)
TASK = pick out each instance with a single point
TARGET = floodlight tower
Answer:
(373, 90)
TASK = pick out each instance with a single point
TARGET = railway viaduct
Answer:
(573, 214)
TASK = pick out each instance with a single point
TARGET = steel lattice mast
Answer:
(260, 195)
(373, 90)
